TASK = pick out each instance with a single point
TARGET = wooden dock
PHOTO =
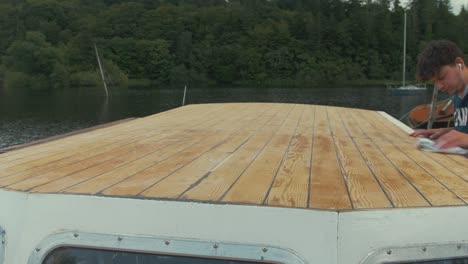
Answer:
(287, 155)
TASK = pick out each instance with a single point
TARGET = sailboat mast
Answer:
(100, 70)
(404, 51)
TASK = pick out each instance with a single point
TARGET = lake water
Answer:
(36, 115)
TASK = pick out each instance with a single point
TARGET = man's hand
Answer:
(452, 139)
(431, 133)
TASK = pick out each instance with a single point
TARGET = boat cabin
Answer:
(235, 183)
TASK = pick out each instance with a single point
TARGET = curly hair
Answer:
(437, 54)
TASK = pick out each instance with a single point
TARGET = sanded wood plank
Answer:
(84, 148)
(382, 126)
(178, 182)
(139, 134)
(216, 184)
(321, 124)
(229, 113)
(66, 145)
(370, 130)
(145, 179)
(334, 121)
(39, 166)
(353, 128)
(399, 190)
(397, 187)
(23, 164)
(58, 180)
(254, 183)
(24, 168)
(390, 126)
(327, 186)
(435, 193)
(221, 178)
(130, 153)
(116, 174)
(449, 179)
(364, 189)
(46, 147)
(77, 162)
(450, 164)
(140, 181)
(65, 151)
(460, 159)
(61, 136)
(291, 185)
(107, 180)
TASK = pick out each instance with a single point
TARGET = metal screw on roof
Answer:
(264, 249)
(215, 246)
(167, 242)
(75, 235)
(389, 252)
(38, 249)
(424, 249)
(119, 238)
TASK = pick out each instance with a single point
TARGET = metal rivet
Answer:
(119, 238)
(167, 242)
(264, 249)
(458, 246)
(262, 258)
(389, 252)
(215, 246)
(38, 249)
(75, 235)
(424, 249)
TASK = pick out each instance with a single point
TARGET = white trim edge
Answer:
(396, 122)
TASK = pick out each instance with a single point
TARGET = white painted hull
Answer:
(36, 223)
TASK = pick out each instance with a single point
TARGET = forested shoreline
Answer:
(49, 44)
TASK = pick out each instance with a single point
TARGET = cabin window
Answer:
(443, 261)
(73, 255)
(91, 248)
(455, 253)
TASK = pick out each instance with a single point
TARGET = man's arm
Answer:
(452, 139)
(431, 133)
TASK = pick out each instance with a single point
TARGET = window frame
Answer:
(422, 252)
(164, 246)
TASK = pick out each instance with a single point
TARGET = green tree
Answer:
(38, 59)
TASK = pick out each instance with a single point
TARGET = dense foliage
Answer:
(50, 43)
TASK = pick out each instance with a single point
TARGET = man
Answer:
(442, 63)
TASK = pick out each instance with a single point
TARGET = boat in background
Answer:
(404, 88)
(396, 89)
(418, 117)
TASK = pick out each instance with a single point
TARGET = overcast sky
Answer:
(456, 4)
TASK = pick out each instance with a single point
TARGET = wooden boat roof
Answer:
(268, 154)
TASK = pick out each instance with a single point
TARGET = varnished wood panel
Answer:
(288, 155)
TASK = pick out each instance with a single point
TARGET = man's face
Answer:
(449, 80)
